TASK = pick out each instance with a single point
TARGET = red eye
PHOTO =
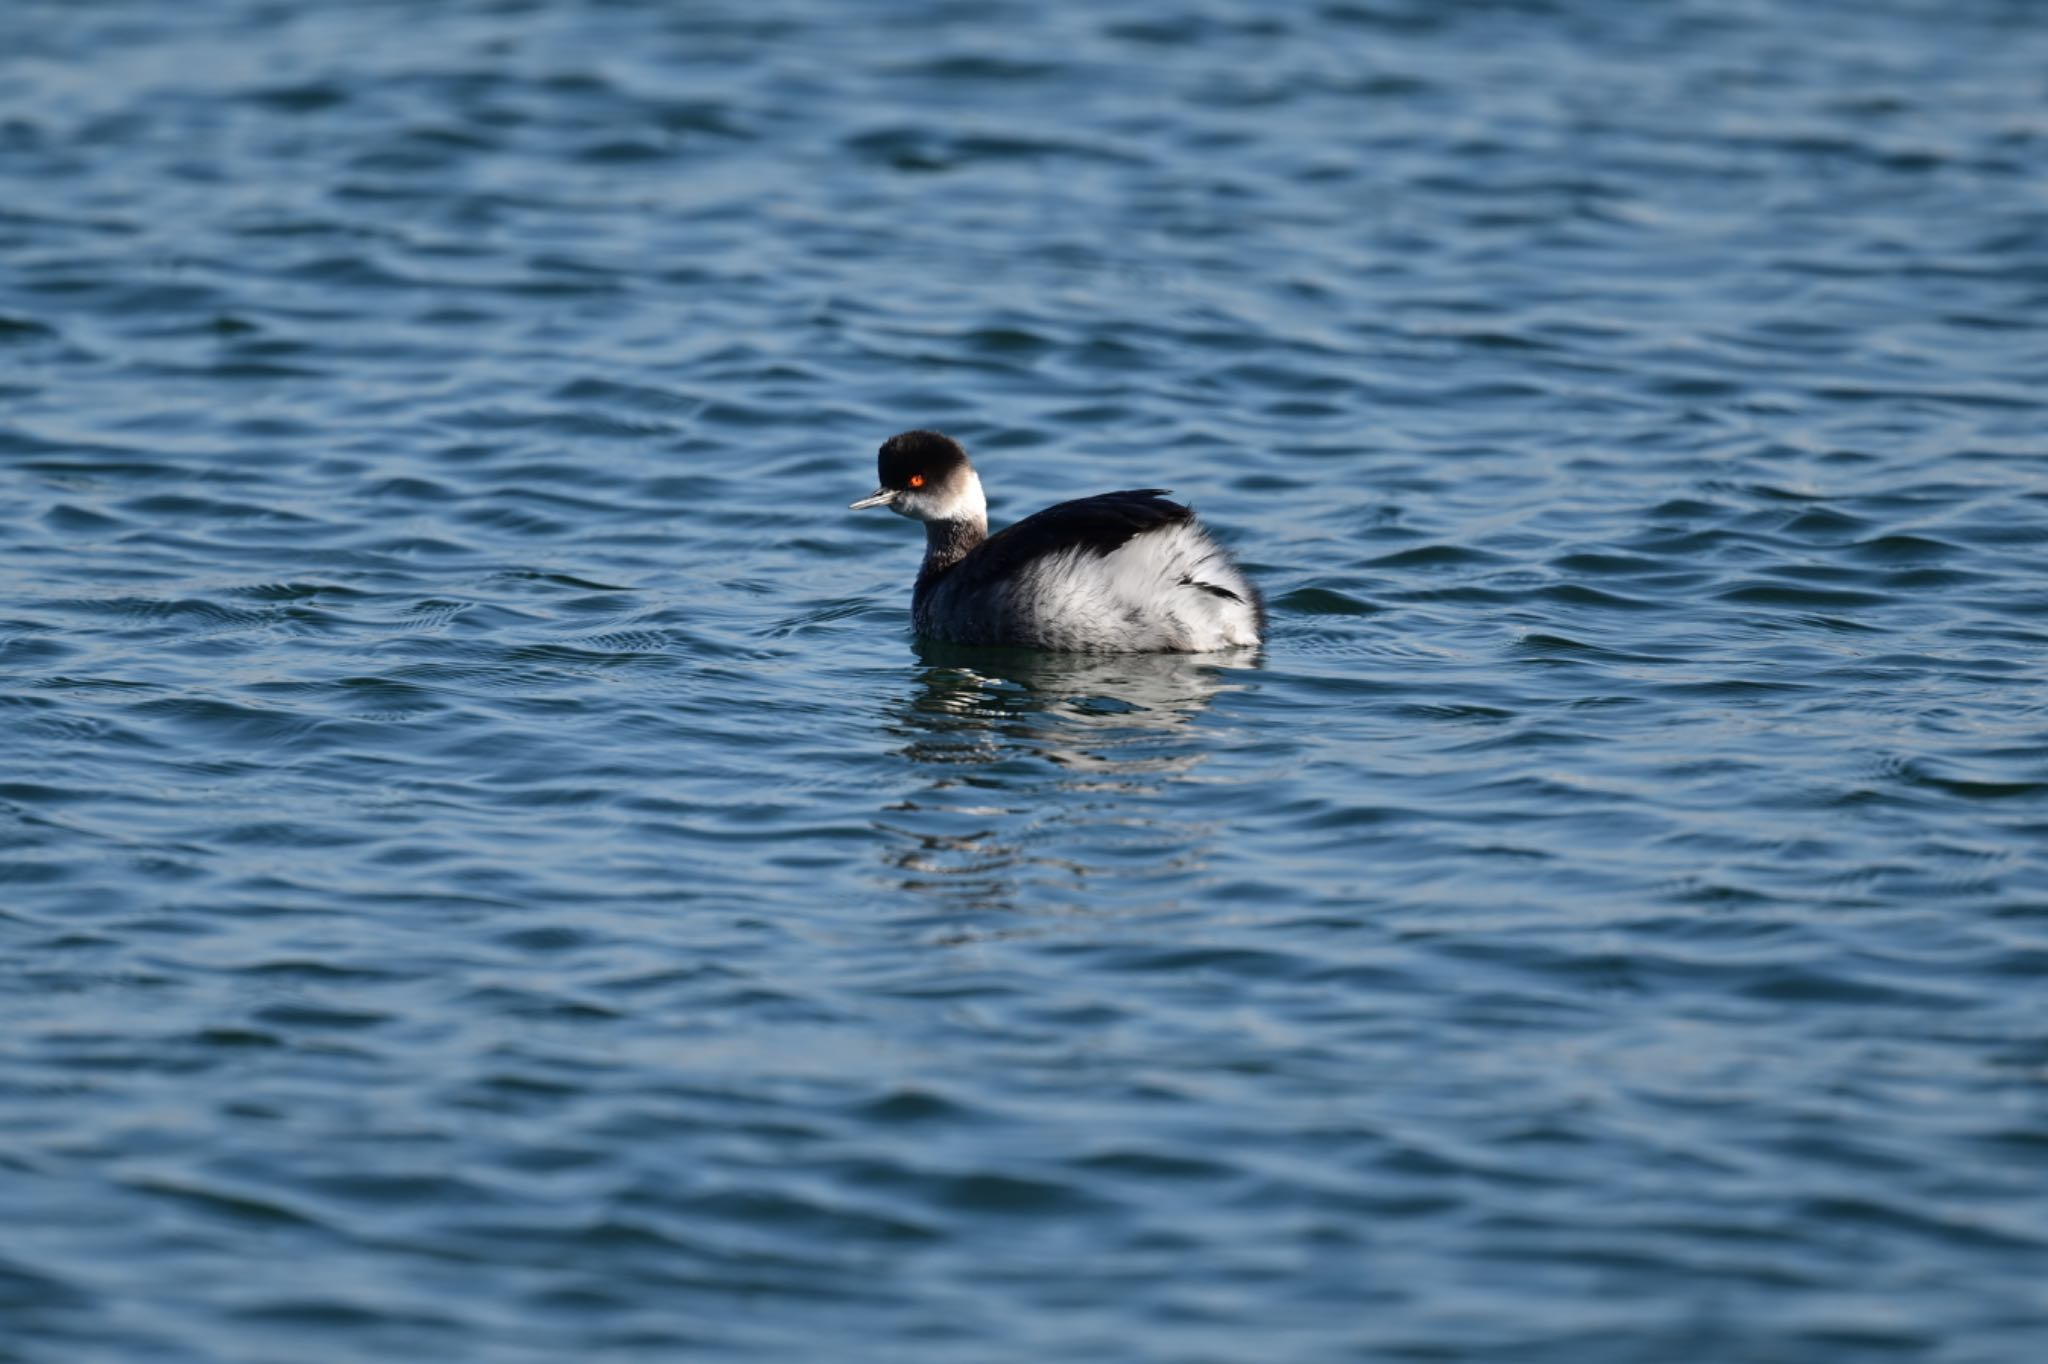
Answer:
(917, 480)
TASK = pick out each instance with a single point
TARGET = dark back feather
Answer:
(1096, 524)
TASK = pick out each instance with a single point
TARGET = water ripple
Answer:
(488, 873)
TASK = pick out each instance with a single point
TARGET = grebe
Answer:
(1124, 572)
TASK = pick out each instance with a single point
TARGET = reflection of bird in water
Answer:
(1124, 572)
(1051, 768)
(1085, 712)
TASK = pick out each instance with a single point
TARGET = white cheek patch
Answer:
(957, 500)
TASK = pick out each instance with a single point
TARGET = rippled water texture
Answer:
(486, 874)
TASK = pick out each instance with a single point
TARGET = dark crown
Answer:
(914, 453)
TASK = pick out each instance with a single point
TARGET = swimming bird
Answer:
(1122, 572)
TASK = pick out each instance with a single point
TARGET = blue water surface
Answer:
(486, 873)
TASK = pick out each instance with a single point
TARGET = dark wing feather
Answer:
(1098, 524)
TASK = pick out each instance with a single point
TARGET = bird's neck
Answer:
(948, 542)
(949, 539)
